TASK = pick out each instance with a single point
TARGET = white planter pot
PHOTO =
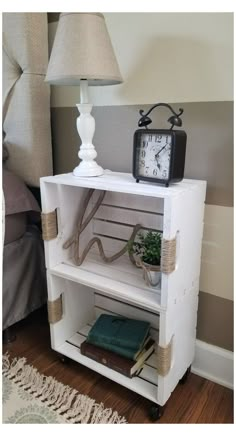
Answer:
(151, 275)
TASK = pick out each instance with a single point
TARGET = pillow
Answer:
(5, 154)
(20, 206)
(15, 227)
(18, 197)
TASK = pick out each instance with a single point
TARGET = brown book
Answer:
(125, 366)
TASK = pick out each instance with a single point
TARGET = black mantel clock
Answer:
(159, 154)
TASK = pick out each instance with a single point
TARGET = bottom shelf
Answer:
(144, 384)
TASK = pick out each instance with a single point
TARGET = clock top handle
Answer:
(174, 120)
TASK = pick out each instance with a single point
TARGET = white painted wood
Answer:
(97, 287)
(85, 123)
(67, 201)
(112, 229)
(114, 224)
(108, 281)
(126, 309)
(134, 202)
(178, 325)
(75, 314)
(184, 217)
(214, 363)
(130, 217)
(123, 183)
(122, 267)
(49, 204)
(136, 384)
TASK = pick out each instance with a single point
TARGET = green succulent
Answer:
(147, 247)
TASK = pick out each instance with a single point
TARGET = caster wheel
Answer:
(156, 412)
(8, 336)
(185, 376)
(63, 359)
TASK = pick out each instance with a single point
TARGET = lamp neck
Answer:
(84, 95)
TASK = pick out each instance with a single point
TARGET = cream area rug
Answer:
(32, 398)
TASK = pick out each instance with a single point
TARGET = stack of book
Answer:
(120, 343)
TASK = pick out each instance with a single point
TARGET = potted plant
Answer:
(147, 253)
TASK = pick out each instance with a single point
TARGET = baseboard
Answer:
(214, 363)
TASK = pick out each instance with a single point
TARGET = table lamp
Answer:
(82, 54)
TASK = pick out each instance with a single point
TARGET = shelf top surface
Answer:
(113, 280)
(124, 182)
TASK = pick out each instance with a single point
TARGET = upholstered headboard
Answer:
(26, 97)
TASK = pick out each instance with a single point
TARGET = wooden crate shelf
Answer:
(96, 287)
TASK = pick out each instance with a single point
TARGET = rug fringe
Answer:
(74, 407)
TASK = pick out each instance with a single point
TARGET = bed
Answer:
(27, 156)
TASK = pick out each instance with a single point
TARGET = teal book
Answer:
(118, 333)
(129, 353)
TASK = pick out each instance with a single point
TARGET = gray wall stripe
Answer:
(215, 321)
(209, 155)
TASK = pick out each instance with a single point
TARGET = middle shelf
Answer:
(120, 279)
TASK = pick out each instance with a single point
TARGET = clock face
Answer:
(154, 154)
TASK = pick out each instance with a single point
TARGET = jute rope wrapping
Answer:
(49, 225)
(55, 310)
(168, 260)
(164, 359)
(168, 255)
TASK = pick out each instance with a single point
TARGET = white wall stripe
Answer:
(169, 57)
(217, 252)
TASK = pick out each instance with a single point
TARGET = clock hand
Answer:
(156, 155)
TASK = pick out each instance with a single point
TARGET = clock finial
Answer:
(144, 120)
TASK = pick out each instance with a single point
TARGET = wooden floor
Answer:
(197, 401)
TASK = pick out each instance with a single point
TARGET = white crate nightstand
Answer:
(77, 295)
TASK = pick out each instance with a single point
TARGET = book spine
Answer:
(125, 352)
(106, 362)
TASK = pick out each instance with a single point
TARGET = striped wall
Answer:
(173, 57)
(182, 59)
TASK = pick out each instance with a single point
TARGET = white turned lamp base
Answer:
(88, 167)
